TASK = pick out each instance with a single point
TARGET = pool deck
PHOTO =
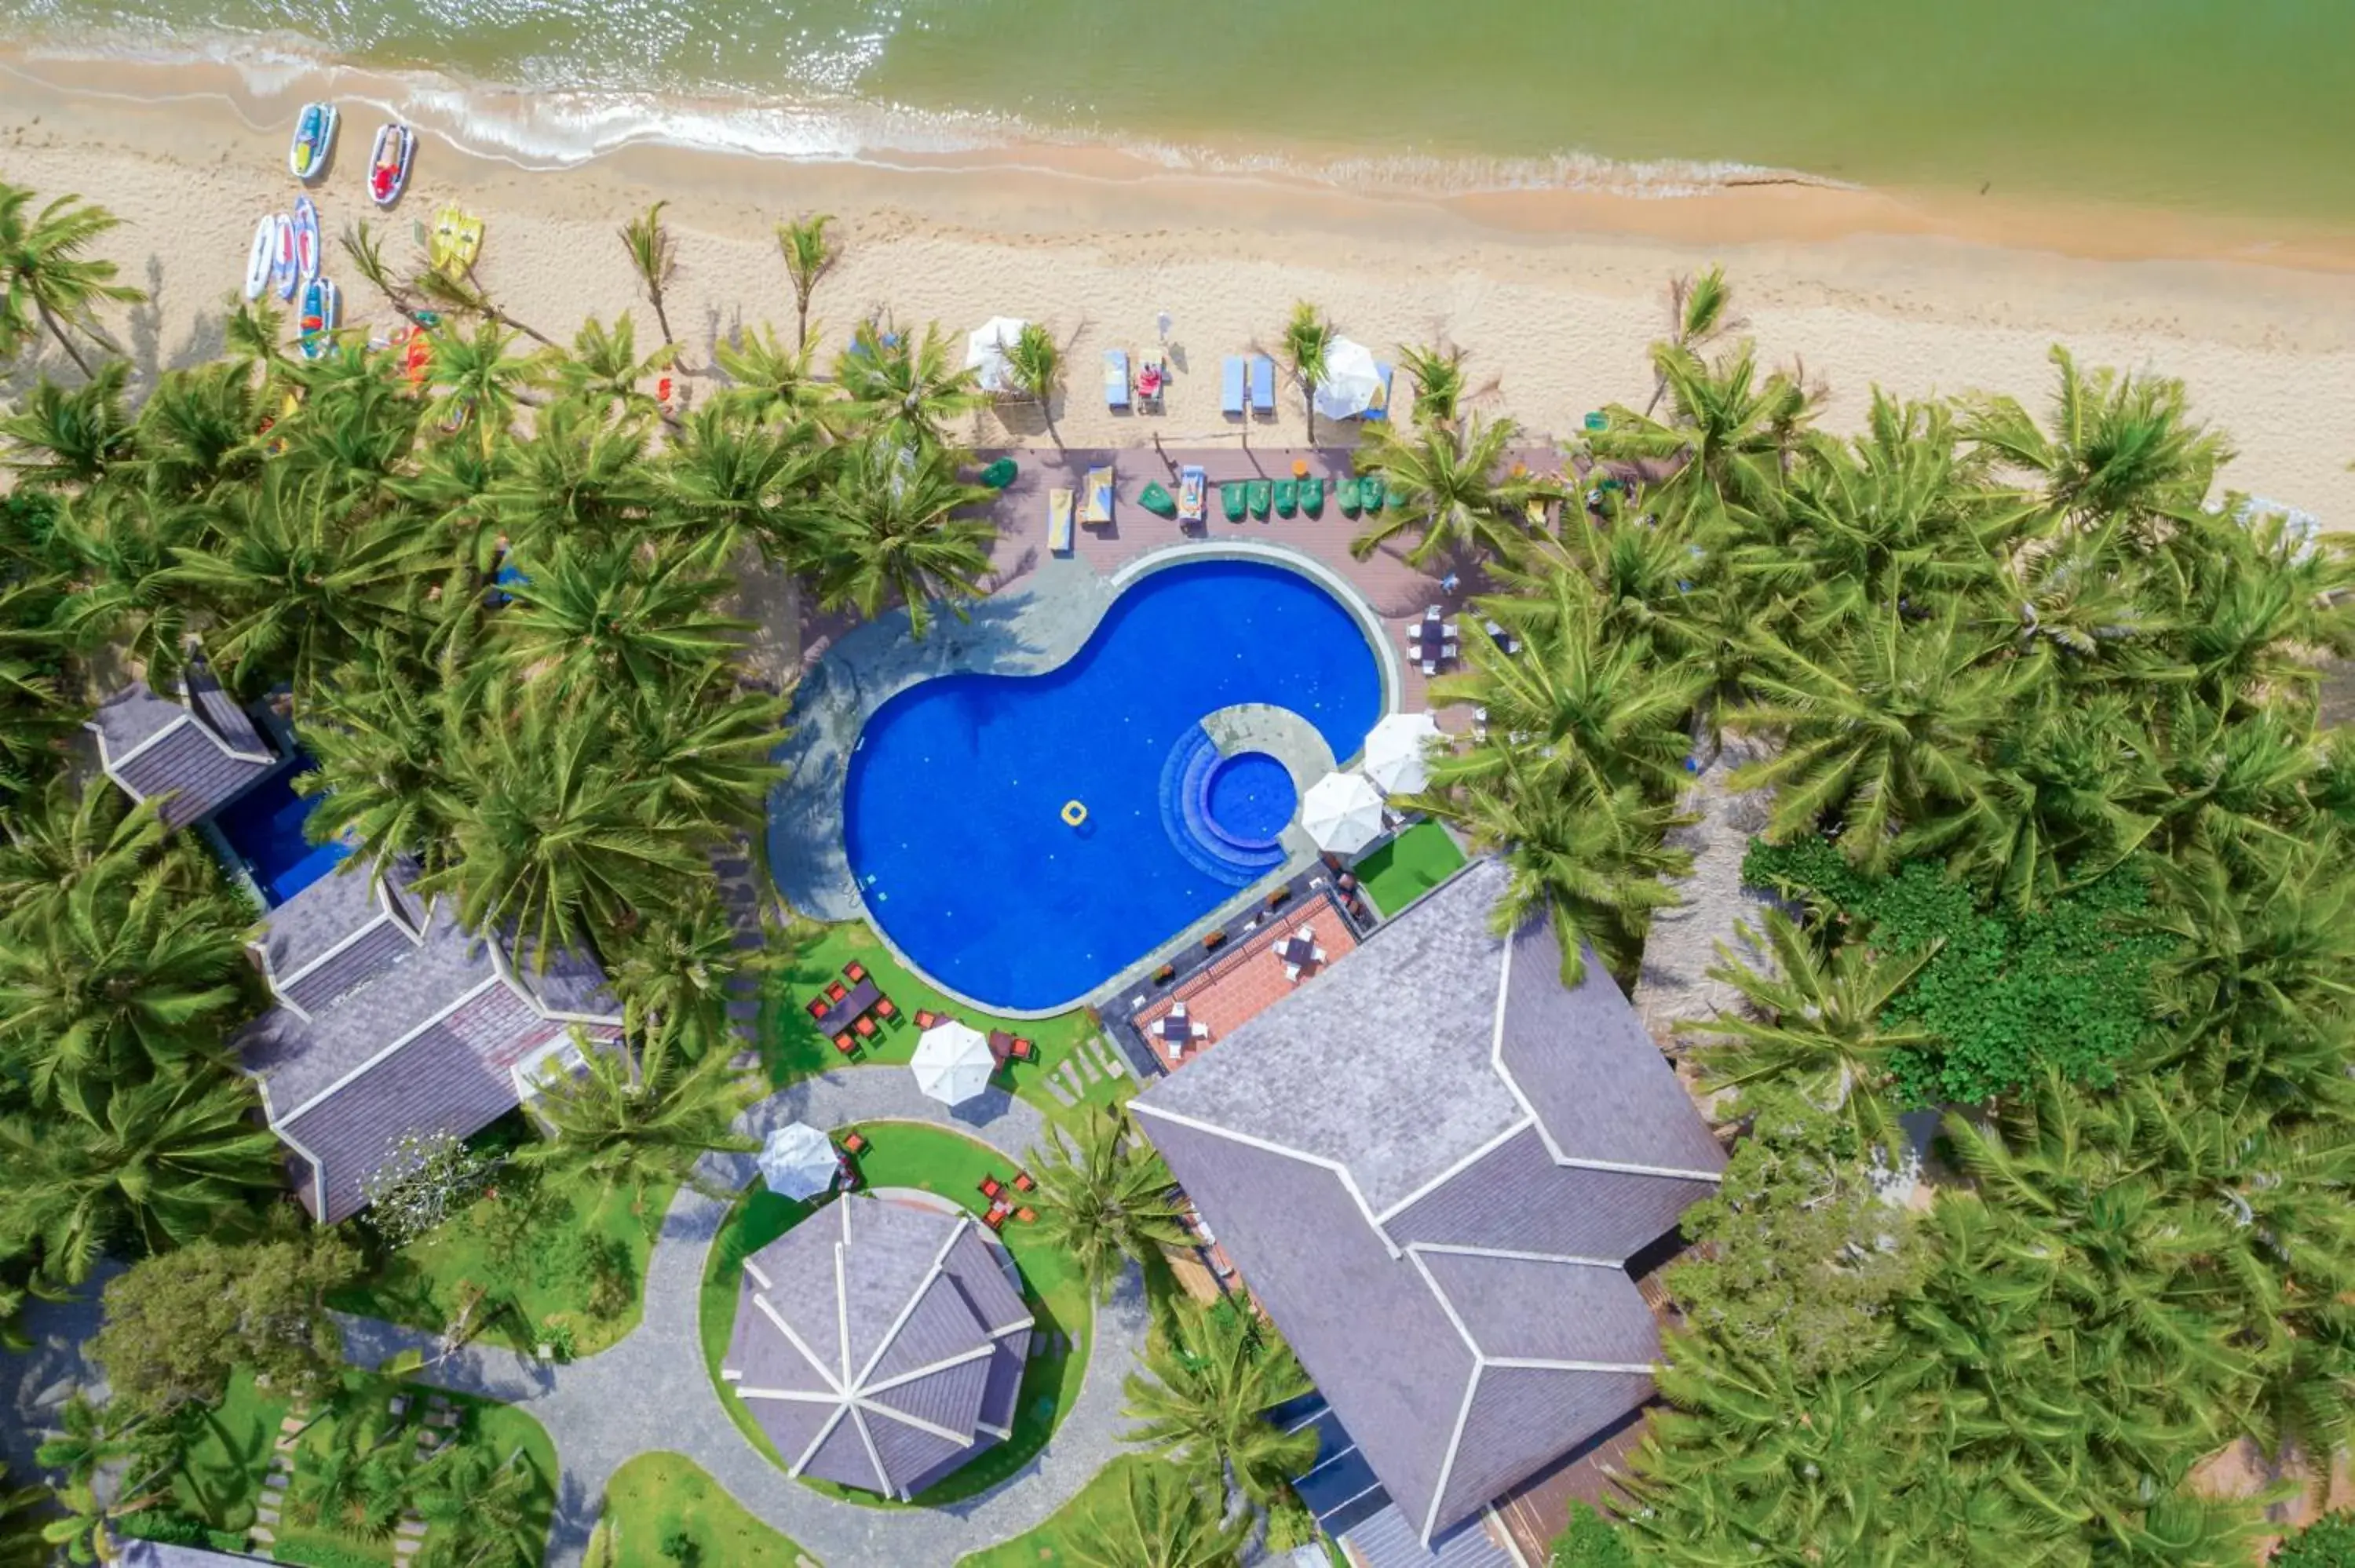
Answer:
(1039, 611)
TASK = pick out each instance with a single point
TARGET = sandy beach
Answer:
(1553, 294)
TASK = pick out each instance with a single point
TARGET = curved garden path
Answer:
(649, 1392)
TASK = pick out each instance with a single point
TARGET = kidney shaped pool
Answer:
(959, 790)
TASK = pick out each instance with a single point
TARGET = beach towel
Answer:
(1115, 378)
(1263, 385)
(1096, 505)
(1059, 521)
(1192, 481)
(1231, 387)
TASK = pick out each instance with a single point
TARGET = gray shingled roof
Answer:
(1432, 1164)
(937, 1337)
(392, 1021)
(198, 752)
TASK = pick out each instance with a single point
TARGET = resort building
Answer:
(1443, 1174)
(196, 750)
(393, 1021)
(880, 1343)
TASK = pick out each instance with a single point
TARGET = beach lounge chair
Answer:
(1116, 378)
(1263, 385)
(1152, 381)
(1262, 495)
(1369, 493)
(1380, 409)
(1350, 495)
(1059, 521)
(1232, 497)
(1287, 497)
(1312, 497)
(1192, 481)
(1231, 387)
(1095, 500)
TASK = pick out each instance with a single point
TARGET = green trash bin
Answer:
(999, 474)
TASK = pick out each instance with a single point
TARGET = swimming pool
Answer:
(264, 826)
(954, 809)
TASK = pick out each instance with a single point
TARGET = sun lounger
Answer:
(1287, 497)
(1095, 503)
(1263, 385)
(1262, 495)
(1232, 497)
(1059, 521)
(1151, 382)
(1380, 409)
(1192, 481)
(1231, 387)
(1312, 497)
(1116, 378)
(1157, 500)
(1350, 493)
(1369, 493)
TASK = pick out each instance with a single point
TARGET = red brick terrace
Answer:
(1237, 987)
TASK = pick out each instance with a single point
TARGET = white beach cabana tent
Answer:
(952, 1063)
(984, 352)
(1398, 753)
(797, 1161)
(1352, 381)
(1343, 812)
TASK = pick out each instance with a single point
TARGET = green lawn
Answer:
(914, 1154)
(1078, 1520)
(1418, 859)
(222, 1475)
(544, 1256)
(816, 955)
(658, 1503)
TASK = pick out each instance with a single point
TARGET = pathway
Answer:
(1674, 982)
(650, 1391)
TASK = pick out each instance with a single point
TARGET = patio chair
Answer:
(844, 1043)
(1022, 1182)
(926, 1019)
(854, 1142)
(1434, 613)
(996, 1218)
(885, 1011)
(1292, 972)
(817, 1005)
(1022, 1051)
(1115, 362)
(854, 971)
(1025, 1214)
(991, 1188)
(864, 1028)
(1200, 1030)
(836, 991)
(850, 1179)
(1431, 666)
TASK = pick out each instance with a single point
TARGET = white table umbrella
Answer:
(797, 1161)
(1343, 812)
(984, 352)
(1352, 381)
(952, 1063)
(1398, 753)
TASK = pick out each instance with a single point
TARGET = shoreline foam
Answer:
(1556, 294)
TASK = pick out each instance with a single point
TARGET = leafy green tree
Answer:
(1164, 1517)
(2327, 1543)
(887, 526)
(1590, 1540)
(1797, 1253)
(179, 1324)
(809, 255)
(1443, 486)
(47, 277)
(1105, 1196)
(1210, 1378)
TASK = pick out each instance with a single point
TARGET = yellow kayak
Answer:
(455, 242)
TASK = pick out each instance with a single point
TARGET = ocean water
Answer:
(2238, 106)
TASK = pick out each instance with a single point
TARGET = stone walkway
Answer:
(650, 1391)
(1674, 982)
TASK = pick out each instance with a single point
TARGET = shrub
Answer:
(2327, 1543)
(1590, 1540)
(165, 1524)
(426, 1180)
(324, 1555)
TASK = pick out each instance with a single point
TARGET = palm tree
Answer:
(708, 743)
(1215, 1375)
(809, 255)
(1444, 487)
(480, 1509)
(1596, 865)
(384, 731)
(2117, 447)
(21, 1510)
(475, 379)
(464, 296)
(580, 476)
(604, 372)
(364, 252)
(158, 1163)
(89, 1437)
(886, 526)
(672, 976)
(65, 440)
(596, 616)
(1729, 435)
(1438, 374)
(733, 474)
(123, 544)
(769, 381)
(199, 430)
(1105, 1195)
(1308, 339)
(77, 832)
(35, 721)
(1881, 731)
(1163, 1518)
(550, 840)
(1813, 1023)
(45, 276)
(654, 258)
(899, 390)
(1036, 361)
(1700, 311)
(612, 1126)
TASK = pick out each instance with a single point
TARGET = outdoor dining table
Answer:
(1297, 950)
(1432, 640)
(851, 1009)
(1174, 1027)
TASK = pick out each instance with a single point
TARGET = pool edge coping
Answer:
(1370, 627)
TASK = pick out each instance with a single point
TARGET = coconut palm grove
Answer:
(1990, 743)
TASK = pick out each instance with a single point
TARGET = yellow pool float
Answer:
(1074, 813)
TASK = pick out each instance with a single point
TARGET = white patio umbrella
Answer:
(1343, 812)
(952, 1063)
(797, 1161)
(1352, 381)
(1398, 753)
(984, 352)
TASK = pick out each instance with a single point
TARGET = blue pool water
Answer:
(1249, 798)
(264, 825)
(952, 813)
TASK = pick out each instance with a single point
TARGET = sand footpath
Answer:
(1555, 313)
